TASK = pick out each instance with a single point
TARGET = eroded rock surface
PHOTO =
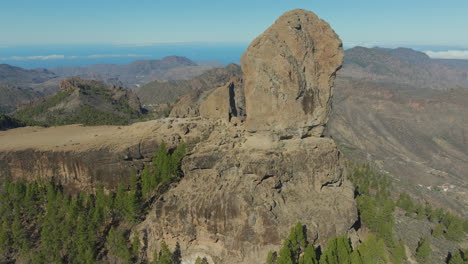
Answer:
(289, 71)
(247, 184)
(241, 195)
(81, 158)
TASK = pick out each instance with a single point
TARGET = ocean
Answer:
(46, 56)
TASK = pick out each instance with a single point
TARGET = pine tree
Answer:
(438, 231)
(456, 258)
(423, 251)
(271, 257)
(454, 228)
(338, 251)
(297, 240)
(373, 251)
(165, 255)
(285, 255)
(135, 245)
(5, 236)
(177, 254)
(399, 252)
(201, 260)
(309, 256)
(117, 245)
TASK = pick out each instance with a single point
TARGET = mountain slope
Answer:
(402, 111)
(158, 92)
(11, 97)
(18, 86)
(82, 101)
(138, 72)
(16, 76)
(403, 66)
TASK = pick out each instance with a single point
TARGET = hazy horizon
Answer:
(52, 33)
(48, 56)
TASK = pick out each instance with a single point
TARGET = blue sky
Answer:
(384, 23)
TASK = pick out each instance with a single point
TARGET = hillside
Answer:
(138, 72)
(18, 86)
(402, 112)
(82, 101)
(7, 122)
(160, 92)
(11, 97)
(403, 66)
(12, 75)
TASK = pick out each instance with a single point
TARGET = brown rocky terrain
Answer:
(416, 135)
(155, 93)
(245, 183)
(404, 66)
(406, 113)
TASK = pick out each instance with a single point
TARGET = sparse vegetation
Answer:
(90, 103)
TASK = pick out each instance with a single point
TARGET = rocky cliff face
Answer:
(247, 184)
(81, 158)
(289, 71)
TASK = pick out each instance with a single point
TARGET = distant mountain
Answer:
(138, 72)
(82, 101)
(17, 85)
(404, 66)
(11, 75)
(160, 92)
(11, 97)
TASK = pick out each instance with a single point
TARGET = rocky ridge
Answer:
(244, 188)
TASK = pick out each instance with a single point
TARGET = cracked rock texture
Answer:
(289, 71)
(248, 183)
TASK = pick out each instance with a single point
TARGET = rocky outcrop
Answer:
(226, 102)
(247, 184)
(289, 71)
(242, 193)
(81, 158)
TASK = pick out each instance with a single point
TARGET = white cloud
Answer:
(47, 57)
(97, 56)
(449, 54)
(61, 57)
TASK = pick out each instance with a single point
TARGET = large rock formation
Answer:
(289, 71)
(246, 185)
